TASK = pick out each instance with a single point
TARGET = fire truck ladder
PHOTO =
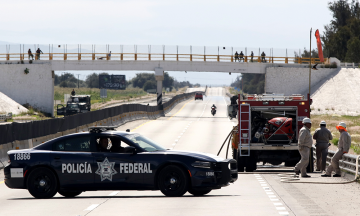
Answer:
(244, 129)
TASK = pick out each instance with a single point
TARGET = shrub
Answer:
(335, 141)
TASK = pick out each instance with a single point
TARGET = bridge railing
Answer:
(151, 53)
(155, 57)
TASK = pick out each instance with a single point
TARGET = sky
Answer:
(277, 24)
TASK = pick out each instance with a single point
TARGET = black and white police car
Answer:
(105, 159)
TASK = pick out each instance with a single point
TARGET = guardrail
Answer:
(347, 163)
(4, 117)
(123, 113)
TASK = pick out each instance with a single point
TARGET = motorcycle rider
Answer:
(213, 107)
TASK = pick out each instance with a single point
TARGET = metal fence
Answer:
(29, 130)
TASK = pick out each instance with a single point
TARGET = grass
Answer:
(352, 123)
(95, 94)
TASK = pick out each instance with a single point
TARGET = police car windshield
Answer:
(144, 143)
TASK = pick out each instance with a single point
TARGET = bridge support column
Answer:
(159, 76)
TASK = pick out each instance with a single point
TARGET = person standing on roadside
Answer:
(343, 147)
(322, 136)
(38, 51)
(30, 54)
(305, 143)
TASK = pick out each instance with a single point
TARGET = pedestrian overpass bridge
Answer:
(32, 81)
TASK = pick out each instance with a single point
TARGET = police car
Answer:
(106, 159)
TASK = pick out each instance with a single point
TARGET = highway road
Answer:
(190, 126)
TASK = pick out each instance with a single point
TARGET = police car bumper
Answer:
(13, 182)
(220, 175)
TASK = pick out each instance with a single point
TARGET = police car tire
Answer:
(69, 193)
(181, 185)
(198, 192)
(42, 192)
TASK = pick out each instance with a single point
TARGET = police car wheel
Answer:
(42, 183)
(66, 193)
(173, 181)
(198, 192)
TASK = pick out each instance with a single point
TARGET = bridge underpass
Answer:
(190, 126)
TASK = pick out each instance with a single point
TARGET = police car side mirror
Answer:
(131, 149)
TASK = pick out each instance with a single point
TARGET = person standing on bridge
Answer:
(236, 56)
(241, 56)
(38, 51)
(263, 57)
(322, 136)
(252, 56)
(305, 143)
(30, 54)
(343, 147)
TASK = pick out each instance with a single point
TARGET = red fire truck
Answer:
(268, 127)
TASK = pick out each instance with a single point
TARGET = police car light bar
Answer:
(99, 129)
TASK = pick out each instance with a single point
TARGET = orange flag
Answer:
(318, 41)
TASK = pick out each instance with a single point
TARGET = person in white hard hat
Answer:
(322, 136)
(343, 147)
(305, 142)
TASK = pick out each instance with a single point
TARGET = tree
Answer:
(168, 81)
(92, 80)
(344, 26)
(150, 84)
(253, 83)
(141, 79)
(353, 50)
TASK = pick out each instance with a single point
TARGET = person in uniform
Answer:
(236, 56)
(38, 52)
(252, 56)
(263, 57)
(30, 54)
(104, 144)
(343, 147)
(241, 56)
(322, 136)
(73, 92)
(305, 143)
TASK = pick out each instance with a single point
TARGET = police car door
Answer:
(115, 164)
(73, 162)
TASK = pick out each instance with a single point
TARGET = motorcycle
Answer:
(213, 111)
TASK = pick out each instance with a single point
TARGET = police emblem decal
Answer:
(106, 169)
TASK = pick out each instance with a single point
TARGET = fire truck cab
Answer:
(268, 127)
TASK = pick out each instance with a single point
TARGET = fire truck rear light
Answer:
(302, 103)
(266, 103)
(243, 103)
(281, 103)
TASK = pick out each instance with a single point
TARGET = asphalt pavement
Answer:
(190, 126)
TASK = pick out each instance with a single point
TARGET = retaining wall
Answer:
(295, 80)
(35, 88)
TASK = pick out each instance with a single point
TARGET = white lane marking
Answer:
(284, 213)
(280, 208)
(278, 204)
(269, 193)
(263, 185)
(272, 196)
(92, 207)
(114, 193)
(274, 200)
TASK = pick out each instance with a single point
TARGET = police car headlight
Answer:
(201, 164)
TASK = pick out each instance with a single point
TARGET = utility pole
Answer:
(78, 80)
(310, 66)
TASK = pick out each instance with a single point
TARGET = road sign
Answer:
(112, 82)
(103, 93)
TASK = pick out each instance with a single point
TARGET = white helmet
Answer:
(322, 123)
(342, 124)
(306, 120)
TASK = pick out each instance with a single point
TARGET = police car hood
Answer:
(198, 155)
